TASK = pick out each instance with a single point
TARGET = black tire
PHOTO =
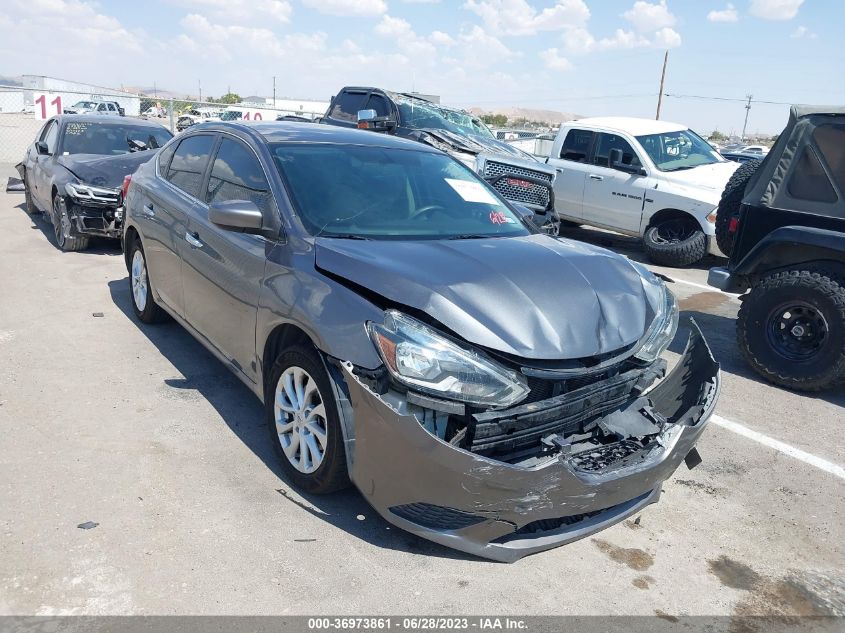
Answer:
(66, 240)
(147, 310)
(675, 242)
(730, 203)
(31, 209)
(331, 475)
(765, 338)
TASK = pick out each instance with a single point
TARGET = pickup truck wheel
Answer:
(304, 424)
(791, 329)
(140, 287)
(62, 229)
(675, 242)
(730, 203)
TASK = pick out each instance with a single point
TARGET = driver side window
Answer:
(50, 135)
(607, 142)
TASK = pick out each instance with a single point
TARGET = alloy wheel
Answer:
(674, 231)
(140, 285)
(300, 415)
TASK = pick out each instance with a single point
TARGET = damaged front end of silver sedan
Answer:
(582, 452)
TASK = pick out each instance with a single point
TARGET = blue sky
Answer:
(592, 57)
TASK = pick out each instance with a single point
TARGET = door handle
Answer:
(148, 211)
(596, 177)
(193, 239)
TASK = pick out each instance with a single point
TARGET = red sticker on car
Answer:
(497, 217)
(516, 182)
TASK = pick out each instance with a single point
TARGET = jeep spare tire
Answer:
(730, 203)
(676, 242)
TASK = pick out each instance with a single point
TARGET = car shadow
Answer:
(720, 333)
(631, 247)
(244, 415)
(96, 245)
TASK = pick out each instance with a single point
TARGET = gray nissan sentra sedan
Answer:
(484, 386)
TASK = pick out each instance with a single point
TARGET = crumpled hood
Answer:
(472, 143)
(535, 297)
(104, 171)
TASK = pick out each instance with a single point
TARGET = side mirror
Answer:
(366, 115)
(369, 120)
(615, 160)
(236, 215)
(41, 148)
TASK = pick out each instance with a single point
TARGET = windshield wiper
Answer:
(469, 236)
(344, 236)
(682, 167)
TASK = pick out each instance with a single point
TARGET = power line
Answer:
(734, 99)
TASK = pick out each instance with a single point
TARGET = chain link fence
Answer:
(23, 112)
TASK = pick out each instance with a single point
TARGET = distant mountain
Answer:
(10, 81)
(159, 93)
(550, 117)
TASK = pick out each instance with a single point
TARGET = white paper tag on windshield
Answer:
(471, 191)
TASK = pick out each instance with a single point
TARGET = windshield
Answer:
(418, 114)
(673, 151)
(381, 193)
(83, 137)
(84, 104)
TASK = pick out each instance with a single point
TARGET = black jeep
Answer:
(788, 252)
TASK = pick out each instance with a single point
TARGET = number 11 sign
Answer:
(46, 105)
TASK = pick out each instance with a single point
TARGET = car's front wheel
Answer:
(791, 329)
(63, 230)
(143, 303)
(675, 242)
(304, 424)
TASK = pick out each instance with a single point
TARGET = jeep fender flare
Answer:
(791, 246)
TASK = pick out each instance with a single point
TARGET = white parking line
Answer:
(702, 286)
(786, 449)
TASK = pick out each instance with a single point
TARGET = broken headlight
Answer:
(88, 193)
(420, 357)
(662, 329)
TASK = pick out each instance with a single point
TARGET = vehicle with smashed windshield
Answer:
(74, 171)
(652, 179)
(382, 300)
(517, 175)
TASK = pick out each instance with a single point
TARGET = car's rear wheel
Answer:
(63, 230)
(678, 241)
(729, 205)
(140, 286)
(791, 329)
(304, 424)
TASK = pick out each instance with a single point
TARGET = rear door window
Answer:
(576, 145)
(187, 167)
(237, 175)
(164, 159)
(607, 142)
(346, 106)
(379, 104)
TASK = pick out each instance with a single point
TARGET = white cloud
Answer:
(242, 10)
(406, 39)
(554, 61)
(481, 50)
(517, 17)
(348, 7)
(667, 38)
(775, 9)
(647, 17)
(442, 39)
(803, 32)
(728, 14)
(581, 41)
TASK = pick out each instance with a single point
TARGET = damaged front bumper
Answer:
(504, 511)
(104, 219)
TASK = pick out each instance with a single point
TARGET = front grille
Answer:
(435, 517)
(532, 194)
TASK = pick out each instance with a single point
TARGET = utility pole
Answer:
(199, 85)
(155, 91)
(274, 91)
(747, 110)
(662, 79)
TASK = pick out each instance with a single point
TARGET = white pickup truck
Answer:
(653, 179)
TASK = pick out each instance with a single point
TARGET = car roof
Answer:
(631, 125)
(300, 132)
(105, 118)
